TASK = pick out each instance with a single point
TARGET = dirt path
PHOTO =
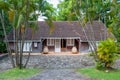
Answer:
(59, 74)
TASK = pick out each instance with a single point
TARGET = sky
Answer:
(54, 2)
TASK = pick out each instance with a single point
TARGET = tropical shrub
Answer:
(118, 45)
(106, 53)
(2, 47)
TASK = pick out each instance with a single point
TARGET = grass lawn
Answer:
(101, 75)
(16, 74)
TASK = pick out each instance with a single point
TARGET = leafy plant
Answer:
(106, 52)
(19, 15)
(17, 74)
(8, 28)
(118, 45)
(2, 47)
(100, 74)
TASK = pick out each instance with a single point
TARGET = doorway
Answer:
(63, 45)
(57, 45)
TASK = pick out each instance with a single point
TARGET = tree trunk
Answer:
(16, 47)
(91, 38)
(26, 25)
(6, 41)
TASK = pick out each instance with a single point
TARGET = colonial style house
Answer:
(65, 35)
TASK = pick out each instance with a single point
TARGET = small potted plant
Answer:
(45, 50)
(74, 50)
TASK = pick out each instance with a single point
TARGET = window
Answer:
(35, 44)
(26, 47)
(70, 42)
(50, 42)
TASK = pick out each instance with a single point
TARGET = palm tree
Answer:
(19, 13)
(106, 11)
(88, 11)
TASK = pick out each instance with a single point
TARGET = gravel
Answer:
(5, 64)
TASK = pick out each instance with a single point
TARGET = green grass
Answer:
(15, 74)
(100, 75)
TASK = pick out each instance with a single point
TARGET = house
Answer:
(66, 34)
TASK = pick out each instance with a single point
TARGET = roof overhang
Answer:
(60, 37)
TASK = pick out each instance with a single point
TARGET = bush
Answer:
(106, 53)
(118, 45)
(2, 47)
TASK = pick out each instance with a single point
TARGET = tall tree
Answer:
(114, 19)
(90, 10)
(20, 13)
(65, 11)
(106, 11)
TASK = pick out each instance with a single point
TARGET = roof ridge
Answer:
(70, 21)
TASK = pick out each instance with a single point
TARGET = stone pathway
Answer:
(59, 74)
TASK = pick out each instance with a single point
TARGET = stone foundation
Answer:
(60, 61)
(56, 61)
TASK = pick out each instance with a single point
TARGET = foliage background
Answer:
(8, 29)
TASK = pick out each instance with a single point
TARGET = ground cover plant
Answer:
(101, 74)
(16, 74)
